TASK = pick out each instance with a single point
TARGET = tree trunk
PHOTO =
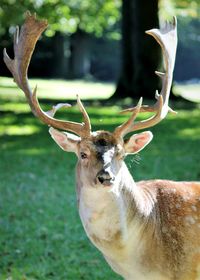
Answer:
(140, 53)
(59, 59)
(79, 61)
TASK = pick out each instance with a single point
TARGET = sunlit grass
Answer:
(188, 91)
(17, 107)
(41, 237)
(189, 132)
(60, 89)
(17, 130)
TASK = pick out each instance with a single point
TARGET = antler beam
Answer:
(167, 39)
(24, 45)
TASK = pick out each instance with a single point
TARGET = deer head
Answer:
(100, 156)
(101, 153)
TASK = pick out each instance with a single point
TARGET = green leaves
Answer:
(181, 8)
(65, 16)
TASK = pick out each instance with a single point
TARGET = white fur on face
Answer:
(108, 156)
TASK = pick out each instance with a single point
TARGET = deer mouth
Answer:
(105, 180)
(107, 183)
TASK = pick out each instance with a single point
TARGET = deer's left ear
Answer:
(137, 142)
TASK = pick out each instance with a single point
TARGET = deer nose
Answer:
(105, 177)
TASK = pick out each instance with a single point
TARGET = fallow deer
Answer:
(145, 230)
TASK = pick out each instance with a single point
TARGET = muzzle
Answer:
(105, 178)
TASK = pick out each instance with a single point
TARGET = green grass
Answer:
(59, 89)
(41, 236)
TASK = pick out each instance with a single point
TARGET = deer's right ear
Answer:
(67, 141)
(137, 142)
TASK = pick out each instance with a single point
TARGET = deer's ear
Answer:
(137, 142)
(67, 141)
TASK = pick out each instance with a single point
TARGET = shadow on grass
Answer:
(175, 144)
(107, 119)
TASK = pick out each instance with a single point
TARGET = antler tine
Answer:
(167, 39)
(126, 127)
(24, 45)
(56, 107)
(87, 124)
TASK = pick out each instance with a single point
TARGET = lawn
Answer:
(41, 236)
(59, 89)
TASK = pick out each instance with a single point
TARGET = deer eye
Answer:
(83, 155)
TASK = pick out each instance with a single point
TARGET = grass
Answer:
(41, 236)
(188, 91)
(59, 89)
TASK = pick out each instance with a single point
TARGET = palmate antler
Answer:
(167, 38)
(24, 44)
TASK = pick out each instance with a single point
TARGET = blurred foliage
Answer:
(187, 8)
(91, 16)
(181, 8)
(188, 14)
(63, 15)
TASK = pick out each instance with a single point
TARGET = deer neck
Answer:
(106, 212)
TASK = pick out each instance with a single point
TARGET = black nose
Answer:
(105, 178)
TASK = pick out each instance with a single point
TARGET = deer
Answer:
(145, 230)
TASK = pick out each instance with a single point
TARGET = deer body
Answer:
(146, 230)
(152, 238)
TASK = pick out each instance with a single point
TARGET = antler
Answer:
(24, 44)
(167, 39)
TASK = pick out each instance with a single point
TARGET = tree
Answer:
(140, 54)
(75, 18)
(78, 19)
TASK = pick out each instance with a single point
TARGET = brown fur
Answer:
(177, 226)
(150, 229)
